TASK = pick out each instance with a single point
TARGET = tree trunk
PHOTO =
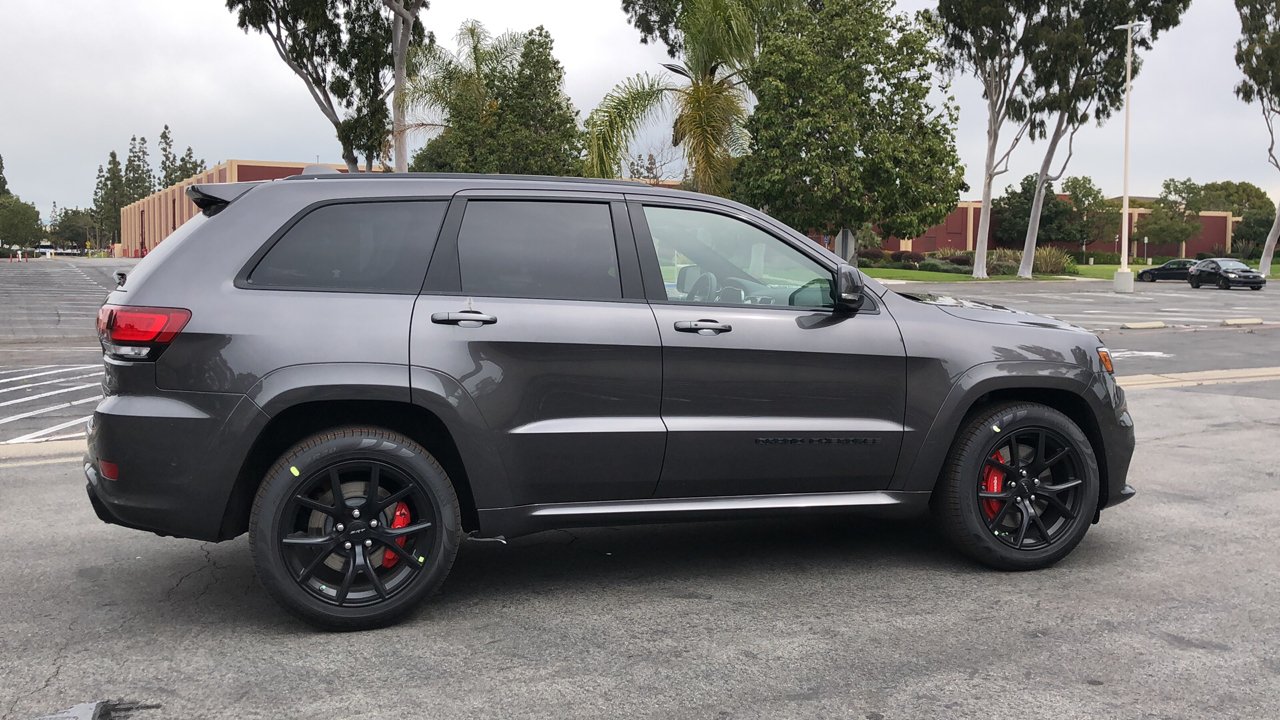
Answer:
(1037, 203)
(400, 34)
(1269, 248)
(984, 213)
(349, 157)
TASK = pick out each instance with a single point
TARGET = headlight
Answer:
(1231, 275)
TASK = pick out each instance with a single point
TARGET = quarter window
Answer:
(534, 249)
(708, 258)
(378, 247)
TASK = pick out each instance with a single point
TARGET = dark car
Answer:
(1226, 273)
(362, 371)
(1172, 270)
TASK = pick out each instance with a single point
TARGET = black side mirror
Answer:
(848, 289)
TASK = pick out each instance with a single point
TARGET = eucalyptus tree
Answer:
(718, 39)
(406, 30)
(993, 40)
(1077, 75)
(1258, 55)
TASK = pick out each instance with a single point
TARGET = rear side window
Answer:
(378, 247)
(534, 249)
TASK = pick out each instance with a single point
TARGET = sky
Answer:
(79, 77)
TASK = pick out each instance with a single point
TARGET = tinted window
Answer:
(538, 250)
(711, 258)
(361, 247)
(1234, 265)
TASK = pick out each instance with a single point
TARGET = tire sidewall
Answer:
(325, 449)
(970, 466)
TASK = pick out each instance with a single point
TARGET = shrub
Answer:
(1005, 256)
(1052, 261)
(1203, 256)
(875, 254)
(896, 255)
(964, 261)
(1001, 267)
(913, 257)
(947, 253)
(1099, 258)
(932, 265)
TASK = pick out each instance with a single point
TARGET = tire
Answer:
(1195, 283)
(1146, 277)
(985, 532)
(289, 539)
(1223, 284)
(1255, 287)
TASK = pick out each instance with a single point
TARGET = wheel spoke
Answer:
(1040, 440)
(407, 530)
(999, 465)
(995, 521)
(307, 540)
(307, 502)
(994, 495)
(316, 561)
(404, 555)
(371, 487)
(363, 559)
(1035, 519)
(348, 577)
(335, 486)
(1060, 487)
(1023, 524)
(395, 497)
(1058, 505)
(1057, 458)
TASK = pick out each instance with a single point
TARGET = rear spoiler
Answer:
(212, 197)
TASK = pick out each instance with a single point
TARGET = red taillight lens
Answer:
(121, 324)
(109, 470)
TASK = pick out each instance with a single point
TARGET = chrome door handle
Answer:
(463, 316)
(703, 327)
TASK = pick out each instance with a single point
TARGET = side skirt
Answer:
(525, 519)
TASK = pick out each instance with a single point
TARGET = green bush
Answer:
(1099, 258)
(1053, 261)
(934, 265)
(1001, 267)
(874, 254)
(963, 261)
(947, 253)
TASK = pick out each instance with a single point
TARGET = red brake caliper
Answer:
(399, 519)
(992, 480)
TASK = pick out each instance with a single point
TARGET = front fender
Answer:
(924, 452)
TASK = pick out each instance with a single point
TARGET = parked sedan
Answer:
(1172, 270)
(1226, 273)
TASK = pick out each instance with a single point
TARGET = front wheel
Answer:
(1224, 284)
(1019, 489)
(1255, 287)
(352, 528)
(1146, 277)
(1195, 283)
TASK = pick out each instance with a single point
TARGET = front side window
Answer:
(707, 258)
(380, 247)
(535, 249)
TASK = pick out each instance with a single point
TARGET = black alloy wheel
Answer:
(1195, 282)
(1224, 284)
(353, 527)
(1020, 487)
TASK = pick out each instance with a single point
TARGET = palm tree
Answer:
(438, 77)
(709, 104)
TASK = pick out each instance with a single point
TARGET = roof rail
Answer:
(330, 174)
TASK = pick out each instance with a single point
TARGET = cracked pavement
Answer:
(1167, 610)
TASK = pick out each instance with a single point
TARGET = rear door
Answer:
(765, 390)
(533, 304)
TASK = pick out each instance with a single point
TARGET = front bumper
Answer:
(1246, 282)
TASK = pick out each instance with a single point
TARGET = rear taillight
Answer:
(139, 333)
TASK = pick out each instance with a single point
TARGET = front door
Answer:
(765, 390)
(533, 310)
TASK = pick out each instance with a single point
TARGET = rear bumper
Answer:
(177, 454)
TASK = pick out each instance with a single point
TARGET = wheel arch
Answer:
(1070, 389)
(298, 421)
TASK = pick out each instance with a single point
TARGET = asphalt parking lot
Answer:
(1167, 609)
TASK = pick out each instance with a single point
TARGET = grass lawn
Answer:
(938, 277)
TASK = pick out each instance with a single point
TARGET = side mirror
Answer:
(848, 289)
(686, 277)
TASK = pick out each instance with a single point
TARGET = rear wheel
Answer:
(1019, 489)
(352, 528)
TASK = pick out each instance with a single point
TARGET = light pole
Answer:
(1124, 278)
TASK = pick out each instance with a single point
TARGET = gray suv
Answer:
(362, 371)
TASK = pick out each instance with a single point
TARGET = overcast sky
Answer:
(78, 77)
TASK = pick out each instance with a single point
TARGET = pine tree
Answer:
(138, 182)
(109, 196)
(4, 184)
(168, 174)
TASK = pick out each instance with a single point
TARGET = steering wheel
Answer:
(704, 289)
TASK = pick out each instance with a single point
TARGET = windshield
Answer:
(1233, 265)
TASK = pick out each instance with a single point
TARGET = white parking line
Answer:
(51, 408)
(69, 368)
(26, 369)
(59, 391)
(48, 382)
(32, 436)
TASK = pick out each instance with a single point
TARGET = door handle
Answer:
(463, 316)
(703, 327)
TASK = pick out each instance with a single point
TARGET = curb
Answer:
(1149, 325)
(60, 449)
(1236, 322)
